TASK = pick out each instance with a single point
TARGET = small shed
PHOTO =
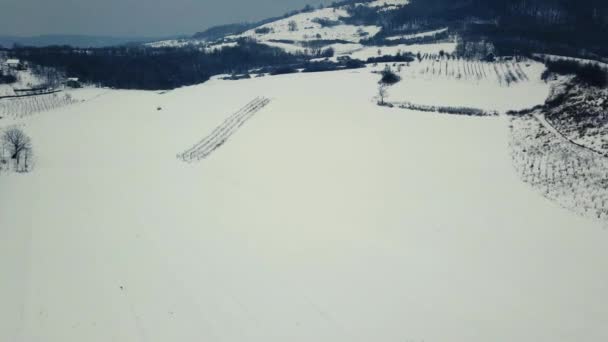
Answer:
(73, 82)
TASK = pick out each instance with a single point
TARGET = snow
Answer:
(175, 43)
(418, 35)
(340, 49)
(279, 34)
(219, 46)
(25, 80)
(372, 51)
(481, 85)
(308, 30)
(580, 60)
(569, 174)
(203, 45)
(29, 105)
(325, 220)
(388, 3)
(291, 48)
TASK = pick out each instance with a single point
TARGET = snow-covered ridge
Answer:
(293, 33)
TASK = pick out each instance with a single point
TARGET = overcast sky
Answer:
(133, 18)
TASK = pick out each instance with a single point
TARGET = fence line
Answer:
(224, 131)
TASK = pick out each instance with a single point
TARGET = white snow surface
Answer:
(445, 82)
(308, 30)
(372, 51)
(388, 3)
(330, 219)
(25, 80)
(418, 35)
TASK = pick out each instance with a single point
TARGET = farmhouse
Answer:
(13, 63)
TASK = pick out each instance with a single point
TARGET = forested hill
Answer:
(570, 27)
(350, 29)
(576, 12)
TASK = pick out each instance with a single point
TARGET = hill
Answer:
(369, 171)
(79, 41)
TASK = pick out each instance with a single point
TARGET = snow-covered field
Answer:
(28, 105)
(325, 220)
(498, 86)
(418, 35)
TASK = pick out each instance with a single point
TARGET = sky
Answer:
(133, 18)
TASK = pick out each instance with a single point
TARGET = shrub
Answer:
(354, 64)
(588, 73)
(388, 58)
(283, 70)
(7, 79)
(263, 30)
(321, 66)
(389, 77)
(593, 74)
(325, 22)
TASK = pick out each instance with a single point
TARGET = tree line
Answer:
(140, 67)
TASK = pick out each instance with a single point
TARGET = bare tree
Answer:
(382, 92)
(293, 25)
(17, 142)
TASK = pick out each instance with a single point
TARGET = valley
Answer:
(338, 173)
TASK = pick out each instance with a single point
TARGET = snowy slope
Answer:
(325, 28)
(500, 86)
(279, 34)
(374, 51)
(325, 220)
(25, 80)
(307, 29)
(11, 108)
(418, 35)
